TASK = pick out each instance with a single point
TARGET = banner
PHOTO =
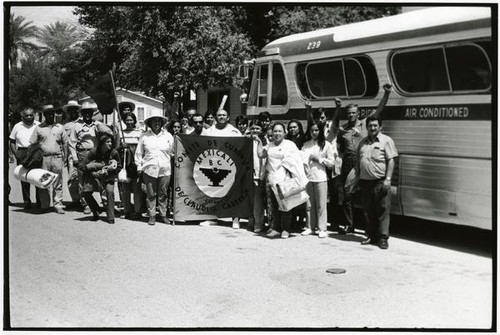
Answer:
(102, 92)
(213, 177)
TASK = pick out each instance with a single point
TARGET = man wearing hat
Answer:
(71, 110)
(19, 140)
(83, 138)
(152, 157)
(54, 144)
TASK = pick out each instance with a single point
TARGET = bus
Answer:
(439, 61)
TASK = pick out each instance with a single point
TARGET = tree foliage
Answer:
(20, 35)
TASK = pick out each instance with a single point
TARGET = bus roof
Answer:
(425, 21)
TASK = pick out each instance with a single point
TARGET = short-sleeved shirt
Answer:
(373, 156)
(21, 133)
(84, 136)
(276, 153)
(51, 137)
(349, 138)
(153, 153)
(227, 131)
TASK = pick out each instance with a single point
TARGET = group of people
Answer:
(336, 160)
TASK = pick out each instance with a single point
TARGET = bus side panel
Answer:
(454, 190)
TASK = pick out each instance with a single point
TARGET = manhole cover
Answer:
(335, 271)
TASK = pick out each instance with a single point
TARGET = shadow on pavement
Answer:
(460, 238)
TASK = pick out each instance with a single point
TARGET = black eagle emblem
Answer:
(215, 175)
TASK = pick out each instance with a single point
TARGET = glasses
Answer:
(198, 122)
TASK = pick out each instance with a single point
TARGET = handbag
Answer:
(122, 175)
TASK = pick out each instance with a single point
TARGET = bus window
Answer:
(326, 79)
(421, 71)
(262, 85)
(279, 95)
(350, 77)
(469, 68)
(442, 69)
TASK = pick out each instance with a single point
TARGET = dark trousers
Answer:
(348, 162)
(25, 187)
(281, 220)
(110, 206)
(376, 208)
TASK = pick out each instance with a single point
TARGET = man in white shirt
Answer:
(19, 140)
(223, 128)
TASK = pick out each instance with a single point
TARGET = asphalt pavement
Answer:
(68, 271)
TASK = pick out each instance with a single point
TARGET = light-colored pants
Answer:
(73, 187)
(316, 205)
(156, 188)
(54, 164)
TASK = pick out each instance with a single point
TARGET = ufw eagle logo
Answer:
(215, 175)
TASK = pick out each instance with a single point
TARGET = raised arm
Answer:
(383, 101)
(334, 127)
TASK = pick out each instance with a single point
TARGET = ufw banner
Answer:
(213, 177)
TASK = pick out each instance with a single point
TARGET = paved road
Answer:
(66, 271)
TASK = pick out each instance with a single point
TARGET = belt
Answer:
(54, 155)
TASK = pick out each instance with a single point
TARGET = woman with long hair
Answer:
(100, 170)
(295, 133)
(320, 155)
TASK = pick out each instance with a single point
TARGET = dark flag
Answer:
(213, 177)
(102, 92)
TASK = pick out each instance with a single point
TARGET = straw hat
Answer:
(88, 106)
(156, 113)
(72, 104)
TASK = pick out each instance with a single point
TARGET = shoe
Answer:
(165, 220)
(273, 233)
(257, 230)
(87, 210)
(236, 223)
(207, 223)
(322, 234)
(366, 241)
(285, 234)
(383, 244)
(59, 210)
(306, 232)
(27, 205)
(110, 221)
(151, 221)
(346, 230)
(95, 215)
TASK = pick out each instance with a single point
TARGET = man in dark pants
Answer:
(348, 139)
(19, 140)
(374, 168)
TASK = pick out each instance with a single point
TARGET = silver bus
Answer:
(439, 61)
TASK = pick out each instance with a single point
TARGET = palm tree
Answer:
(19, 34)
(56, 38)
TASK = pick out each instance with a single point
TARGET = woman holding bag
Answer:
(131, 137)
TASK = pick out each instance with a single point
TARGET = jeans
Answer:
(73, 185)
(281, 220)
(128, 188)
(257, 220)
(110, 206)
(156, 188)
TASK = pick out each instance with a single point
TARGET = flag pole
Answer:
(122, 138)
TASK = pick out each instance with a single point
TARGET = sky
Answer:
(43, 15)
